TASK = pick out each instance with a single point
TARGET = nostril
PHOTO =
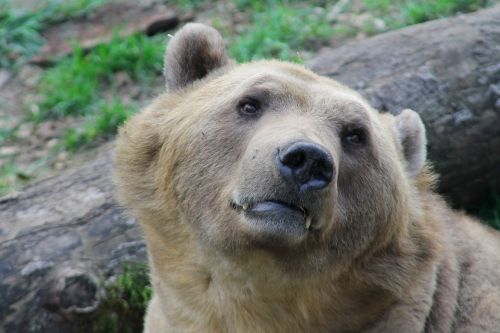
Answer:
(321, 169)
(294, 159)
(317, 169)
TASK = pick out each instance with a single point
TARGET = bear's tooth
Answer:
(244, 206)
(308, 222)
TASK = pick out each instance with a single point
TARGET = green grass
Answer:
(426, 10)
(60, 10)
(13, 177)
(187, 4)
(104, 123)
(8, 170)
(7, 134)
(20, 30)
(279, 30)
(20, 36)
(125, 304)
(75, 84)
(400, 13)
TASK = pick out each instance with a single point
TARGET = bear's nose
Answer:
(307, 165)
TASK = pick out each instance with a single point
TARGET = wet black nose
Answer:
(307, 165)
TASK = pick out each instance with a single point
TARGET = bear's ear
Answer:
(193, 52)
(411, 132)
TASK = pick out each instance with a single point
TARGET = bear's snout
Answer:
(305, 165)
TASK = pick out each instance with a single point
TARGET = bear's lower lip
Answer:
(276, 220)
(273, 207)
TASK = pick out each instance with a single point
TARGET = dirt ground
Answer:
(30, 148)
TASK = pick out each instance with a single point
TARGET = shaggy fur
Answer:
(383, 254)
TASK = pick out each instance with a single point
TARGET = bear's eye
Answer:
(354, 137)
(249, 107)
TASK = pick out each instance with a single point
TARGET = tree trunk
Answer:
(63, 238)
(449, 72)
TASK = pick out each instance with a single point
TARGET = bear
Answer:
(275, 200)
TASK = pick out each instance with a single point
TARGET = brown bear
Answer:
(276, 200)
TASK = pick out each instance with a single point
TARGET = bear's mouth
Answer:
(276, 218)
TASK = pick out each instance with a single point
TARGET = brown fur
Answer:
(385, 254)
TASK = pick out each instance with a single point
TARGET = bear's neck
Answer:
(201, 290)
(225, 296)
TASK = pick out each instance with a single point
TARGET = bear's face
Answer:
(269, 156)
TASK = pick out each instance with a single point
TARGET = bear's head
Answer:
(267, 157)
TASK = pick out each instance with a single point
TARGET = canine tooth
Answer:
(244, 206)
(308, 222)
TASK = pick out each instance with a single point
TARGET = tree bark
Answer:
(64, 237)
(449, 72)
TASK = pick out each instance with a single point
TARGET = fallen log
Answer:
(62, 240)
(449, 72)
